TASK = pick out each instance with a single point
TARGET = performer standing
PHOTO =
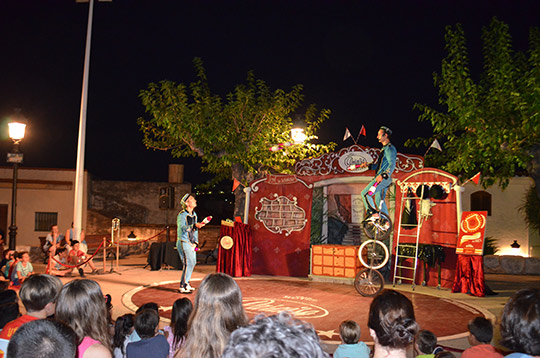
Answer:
(383, 172)
(187, 240)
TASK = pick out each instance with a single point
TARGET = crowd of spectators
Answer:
(74, 320)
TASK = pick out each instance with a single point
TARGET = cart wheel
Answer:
(368, 282)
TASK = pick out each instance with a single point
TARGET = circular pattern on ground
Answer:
(325, 305)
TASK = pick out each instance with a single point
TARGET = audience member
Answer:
(82, 240)
(480, 336)
(82, 306)
(391, 324)
(12, 264)
(217, 312)
(4, 285)
(7, 258)
(520, 324)
(38, 295)
(425, 344)
(9, 307)
(44, 339)
(151, 343)
(445, 354)
(52, 241)
(134, 337)
(77, 256)
(279, 335)
(176, 332)
(60, 259)
(350, 346)
(122, 330)
(23, 269)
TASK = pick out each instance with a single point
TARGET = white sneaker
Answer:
(184, 290)
(188, 287)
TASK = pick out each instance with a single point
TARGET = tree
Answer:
(233, 136)
(492, 123)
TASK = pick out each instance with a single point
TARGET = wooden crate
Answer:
(335, 260)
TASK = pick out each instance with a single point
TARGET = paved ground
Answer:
(132, 274)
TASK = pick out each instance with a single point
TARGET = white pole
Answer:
(79, 173)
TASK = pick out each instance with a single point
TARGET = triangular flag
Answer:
(362, 131)
(476, 179)
(347, 134)
(235, 184)
(436, 145)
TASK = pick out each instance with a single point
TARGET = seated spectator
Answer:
(134, 337)
(520, 324)
(425, 344)
(22, 270)
(9, 307)
(81, 306)
(480, 336)
(38, 295)
(82, 240)
(77, 256)
(3, 285)
(392, 324)
(280, 335)
(7, 258)
(122, 330)
(12, 263)
(176, 332)
(52, 241)
(57, 265)
(350, 346)
(217, 312)
(44, 339)
(151, 343)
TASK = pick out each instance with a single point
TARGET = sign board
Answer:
(14, 157)
(471, 233)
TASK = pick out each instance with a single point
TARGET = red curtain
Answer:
(236, 261)
(470, 275)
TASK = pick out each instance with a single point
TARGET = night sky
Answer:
(366, 61)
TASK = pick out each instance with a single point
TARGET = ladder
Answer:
(399, 257)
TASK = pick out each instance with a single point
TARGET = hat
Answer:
(184, 199)
(386, 130)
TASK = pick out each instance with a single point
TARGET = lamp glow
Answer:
(298, 135)
(16, 131)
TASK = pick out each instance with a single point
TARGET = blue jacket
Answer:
(186, 229)
(386, 162)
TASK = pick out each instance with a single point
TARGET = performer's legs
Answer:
(380, 195)
(191, 260)
(180, 249)
(366, 198)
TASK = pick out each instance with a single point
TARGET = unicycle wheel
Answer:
(377, 226)
(368, 282)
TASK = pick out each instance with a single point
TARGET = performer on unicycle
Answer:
(187, 240)
(384, 167)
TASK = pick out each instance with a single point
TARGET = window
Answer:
(481, 201)
(44, 221)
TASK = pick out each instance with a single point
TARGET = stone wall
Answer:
(512, 265)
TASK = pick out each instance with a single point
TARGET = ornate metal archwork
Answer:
(329, 163)
(278, 180)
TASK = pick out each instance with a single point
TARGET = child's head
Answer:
(39, 292)
(62, 252)
(426, 342)
(146, 323)
(480, 331)
(24, 257)
(8, 254)
(75, 245)
(181, 311)
(148, 306)
(349, 332)
(122, 328)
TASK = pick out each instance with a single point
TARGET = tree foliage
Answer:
(490, 122)
(232, 135)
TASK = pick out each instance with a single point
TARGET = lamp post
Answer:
(16, 133)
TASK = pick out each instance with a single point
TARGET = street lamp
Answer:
(17, 127)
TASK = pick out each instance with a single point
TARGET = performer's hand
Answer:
(193, 245)
(379, 178)
(199, 225)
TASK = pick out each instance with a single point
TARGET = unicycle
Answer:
(373, 254)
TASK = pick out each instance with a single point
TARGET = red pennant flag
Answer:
(476, 179)
(362, 131)
(235, 184)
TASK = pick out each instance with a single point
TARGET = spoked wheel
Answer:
(377, 226)
(368, 282)
(373, 254)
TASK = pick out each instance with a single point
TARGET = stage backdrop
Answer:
(285, 218)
